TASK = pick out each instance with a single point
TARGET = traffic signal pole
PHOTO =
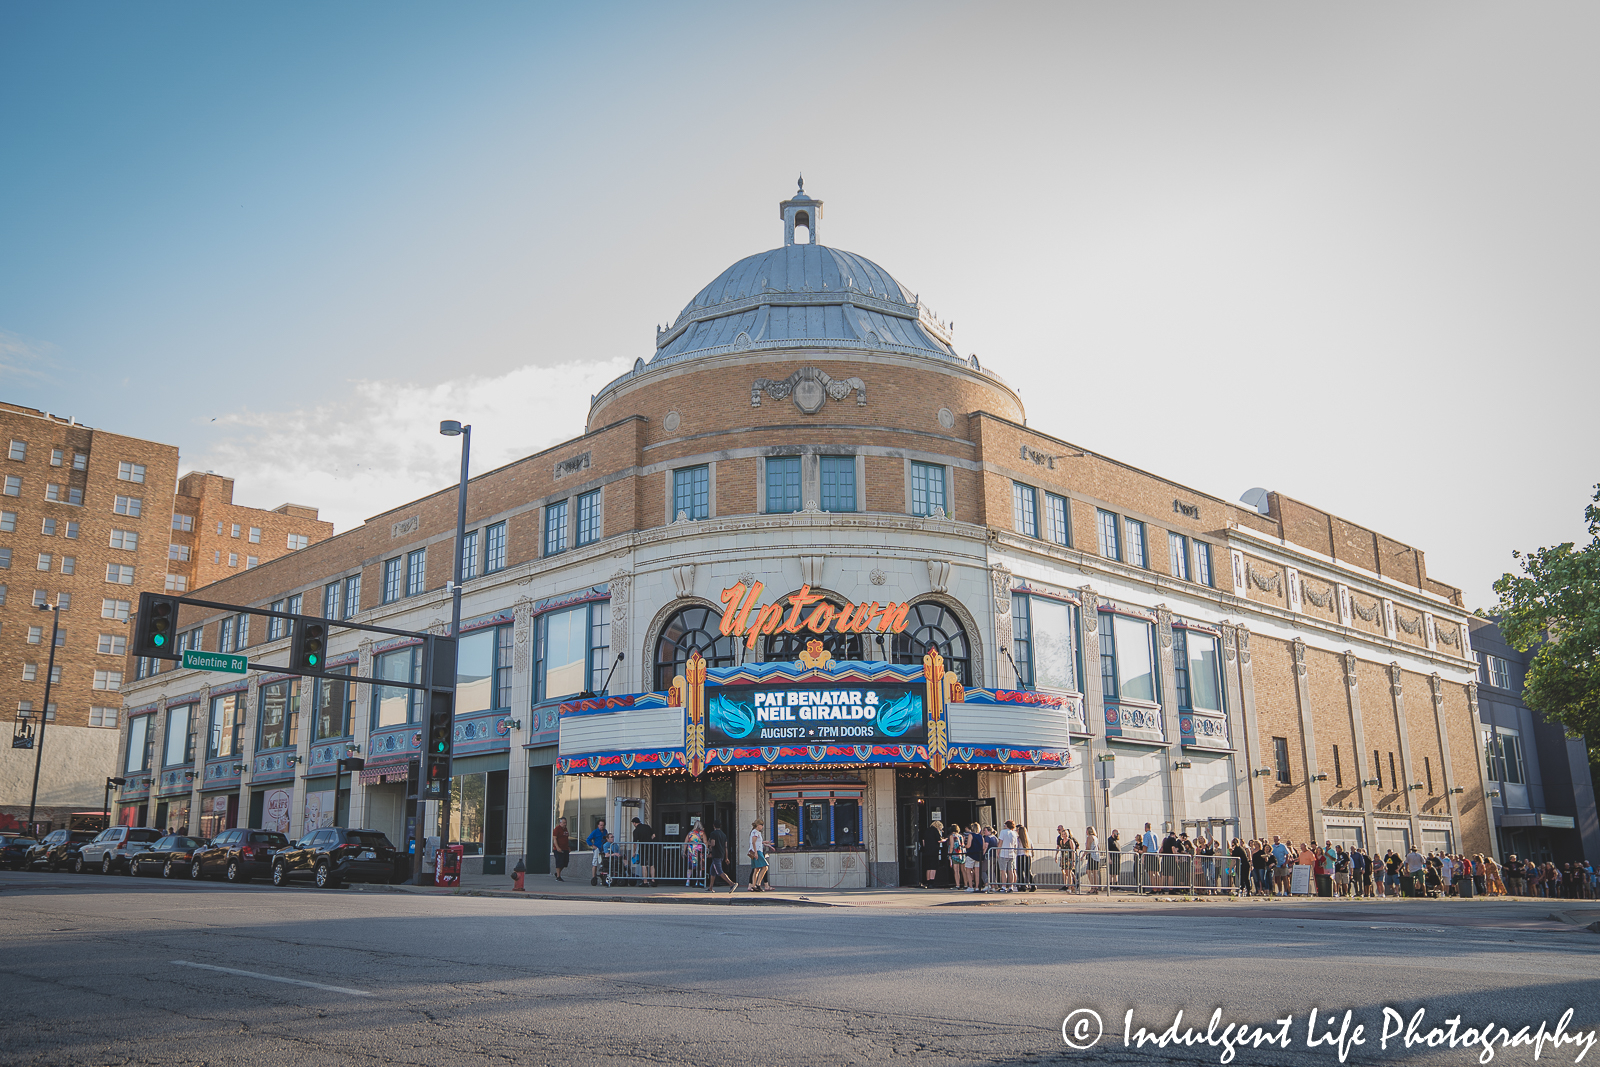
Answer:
(450, 429)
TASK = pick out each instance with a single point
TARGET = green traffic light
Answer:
(312, 659)
(158, 640)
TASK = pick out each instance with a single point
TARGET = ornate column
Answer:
(1243, 781)
(1397, 690)
(1094, 704)
(202, 748)
(1252, 728)
(1364, 794)
(1436, 688)
(1177, 808)
(1308, 739)
(361, 731)
(1000, 579)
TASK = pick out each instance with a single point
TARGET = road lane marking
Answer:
(272, 978)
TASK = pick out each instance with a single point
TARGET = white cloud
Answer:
(360, 455)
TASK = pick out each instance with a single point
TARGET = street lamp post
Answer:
(44, 714)
(452, 428)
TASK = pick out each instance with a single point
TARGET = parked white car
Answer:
(110, 851)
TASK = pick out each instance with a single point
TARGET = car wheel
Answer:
(105, 864)
(129, 871)
(166, 869)
(194, 870)
(77, 864)
(279, 875)
(235, 873)
(325, 878)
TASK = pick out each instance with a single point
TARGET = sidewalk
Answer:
(1541, 911)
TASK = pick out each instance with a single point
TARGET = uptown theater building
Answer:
(809, 566)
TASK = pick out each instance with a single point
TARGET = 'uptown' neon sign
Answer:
(740, 601)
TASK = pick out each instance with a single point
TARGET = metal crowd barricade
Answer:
(666, 862)
(1082, 872)
(1185, 873)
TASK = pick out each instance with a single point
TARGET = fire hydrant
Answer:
(517, 874)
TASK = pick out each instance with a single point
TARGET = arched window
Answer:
(690, 629)
(931, 623)
(782, 647)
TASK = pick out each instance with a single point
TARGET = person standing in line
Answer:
(929, 842)
(560, 847)
(644, 834)
(1091, 849)
(955, 847)
(597, 841)
(1414, 865)
(1008, 857)
(758, 859)
(1113, 858)
(1242, 874)
(974, 864)
(717, 856)
(1025, 860)
(1280, 867)
(694, 853)
(1073, 854)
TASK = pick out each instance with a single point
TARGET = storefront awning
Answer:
(1539, 819)
(394, 771)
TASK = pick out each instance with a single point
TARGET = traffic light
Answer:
(438, 740)
(156, 633)
(308, 649)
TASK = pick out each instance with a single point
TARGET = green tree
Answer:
(1554, 604)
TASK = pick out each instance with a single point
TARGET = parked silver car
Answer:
(111, 850)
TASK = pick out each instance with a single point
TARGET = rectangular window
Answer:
(1195, 667)
(1280, 756)
(225, 635)
(393, 579)
(494, 548)
(47, 528)
(40, 598)
(119, 573)
(235, 531)
(783, 484)
(589, 517)
(5, 559)
(334, 718)
(2, 595)
(13, 485)
(838, 483)
(176, 583)
(483, 670)
(35, 635)
(178, 552)
(46, 560)
(1178, 553)
(1127, 661)
(1338, 768)
(130, 472)
(572, 651)
(75, 497)
(1202, 563)
(1046, 640)
(1025, 509)
(19, 450)
(330, 600)
(391, 705)
(1110, 543)
(1505, 763)
(30, 672)
(111, 680)
(138, 758)
(1499, 672)
(127, 540)
(280, 714)
(1056, 526)
(183, 523)
(1134, 544)
(1427, 771)
(691, 492)
(69, 564)
(276, 627)
(255, 535)
(131, 506)
(233, 559)
(112, 645)
(352, 596)
(8, 521)
(227, 726)
(298, 541)
(80, 462)
(115, 609)
(928, 489)
(180, 735)
(469, 555)
(57, 457)
(416, 571)
(102, 716)
(555, 528)
(241, 639)
(52, 491)
(72, 531)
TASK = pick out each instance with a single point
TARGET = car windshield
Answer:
(370, 838)
(83, 835)
(21, 841)
(186, 842)
(137, 834)
(270, 839)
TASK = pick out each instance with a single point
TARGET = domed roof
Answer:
(804, 295)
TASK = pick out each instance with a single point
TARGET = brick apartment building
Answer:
(84, 519)
(806, 424)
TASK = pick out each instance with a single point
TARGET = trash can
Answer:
(447, 865)
(1465, 888)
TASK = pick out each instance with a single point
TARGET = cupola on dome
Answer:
(804, 295)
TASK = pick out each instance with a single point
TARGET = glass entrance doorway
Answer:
(682, 802)
(922, 799)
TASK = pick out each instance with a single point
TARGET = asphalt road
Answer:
(100, 970)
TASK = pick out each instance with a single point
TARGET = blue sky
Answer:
(1189, 233)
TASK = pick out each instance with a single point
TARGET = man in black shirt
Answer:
(643, 833)
(716, 852)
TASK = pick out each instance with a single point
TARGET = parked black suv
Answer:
(237, 855)
(58, 849)
(334, 855)
(14, 850)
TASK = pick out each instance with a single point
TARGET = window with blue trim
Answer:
(1178, 554)
(1025, 509)
(280, 715)
(691, 492)
(393, 579)
(1045, 636)
(589, 517)
(1110, 542)
(1195, 666)
(1057, 528)
(928, 489)
(392, 705)
(483, 670)
(416, 571)
(469, 555)
(1202, 563)
(1133, 545)
(573, 651)
(1127, 658)
(783, 484)
(838, 483)
(494, 548)
(555, 528)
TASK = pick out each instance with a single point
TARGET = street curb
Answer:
(743, 899)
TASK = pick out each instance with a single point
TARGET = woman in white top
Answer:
(758, 859)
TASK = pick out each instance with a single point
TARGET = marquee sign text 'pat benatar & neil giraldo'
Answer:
(769, 618)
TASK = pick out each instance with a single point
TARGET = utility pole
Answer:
(452, 428)
(44, 714)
